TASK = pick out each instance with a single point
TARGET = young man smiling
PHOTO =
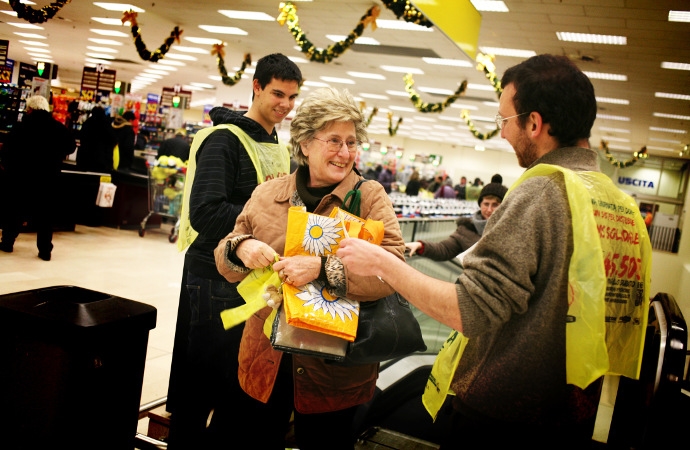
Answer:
(226, 163)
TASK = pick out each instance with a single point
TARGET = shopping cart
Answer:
(166, 187)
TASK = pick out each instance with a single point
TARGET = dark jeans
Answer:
(208, 381)
(38, 213)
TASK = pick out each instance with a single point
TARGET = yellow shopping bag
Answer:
(312, 306)
(252, 290)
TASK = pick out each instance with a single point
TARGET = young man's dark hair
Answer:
(556, 88)
(276, 65)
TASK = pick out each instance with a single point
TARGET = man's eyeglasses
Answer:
(500, 120)
(335, 144)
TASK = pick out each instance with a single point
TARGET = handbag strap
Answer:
(355, 198)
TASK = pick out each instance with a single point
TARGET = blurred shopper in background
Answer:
(96, 143)
(31, 158)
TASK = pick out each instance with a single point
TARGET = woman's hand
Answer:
(298, 270)
(413, 246)
(255, 254)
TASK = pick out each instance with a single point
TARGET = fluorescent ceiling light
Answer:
(402, 108)
(443, 127)
(431, 90)
(371, 76)
(619, 147)
(109, 21)
(663, 149)
(156, 72)
(100, 55)
(490, 5)
(679, 16)
(337, 80)
(360, 40)
(398, 93)
(246, 15)
(491, 104)
(614, 130)
(424, 119)
(467, 107)
(39, 55)
(200, 51)
(448, 62)
(606, 76)
(591, 38)
(108, 32)
(101, 49)
(167, 62)
(10, 13)
(315, 83)
(672, 96)
(215, 77)
(484, 119)
(480, 87)
(668, 141)
(104, 41)
(119, 7)
(374, 96)
(611, 117)
(162, 68)
(202, 85)
(26, 26)
(616, 101)
(451, 119)
(298, 60)
(617, 139)
(37, 49)
(400, 25)
(671, 116)
(36, 43)
(399, 69)
(188, 87)
(202, 40)
(665, 65)
(30, 35)
(149, 76)
(97, 61)
(177, 56)
(223, 30)
(667, 130)
(517, 53)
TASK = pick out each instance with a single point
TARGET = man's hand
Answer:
(361, 257)
(413, 247)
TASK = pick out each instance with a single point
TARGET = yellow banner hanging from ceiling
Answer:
(457, 19)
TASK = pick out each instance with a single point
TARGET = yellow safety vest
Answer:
(270, 161)
(608, 287)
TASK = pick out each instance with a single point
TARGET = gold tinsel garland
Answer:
(642, 154)
(131, 17)
(37, 16)
(288, 15)
(466, 116)
(485, 63)
(220, 54)
(393, 131)
(431, 107)
(406, 10)
(362, 107)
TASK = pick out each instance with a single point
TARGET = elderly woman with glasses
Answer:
(325, 135)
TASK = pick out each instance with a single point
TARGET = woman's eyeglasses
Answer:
(335, 144)
(500, 120)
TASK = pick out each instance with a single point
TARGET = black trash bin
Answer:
(71, 368)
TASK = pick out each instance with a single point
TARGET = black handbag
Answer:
(387, 330)
(387, 327)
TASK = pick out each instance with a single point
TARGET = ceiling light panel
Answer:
(30, 35)
(672, 96)
(104, 41)
(679, 16)
(111, 21)
(514, 52)
(591, 38)
(606, 76)
(113, 33)
(671, 116)
(337, 80)
(370, 76)
(675, 65)
(399, 69)
(363, 40)
(119, 7)
(448, 62)
(490, 5)
(223, 30)
(667, 130)
(401, 25)
(246, 15)
(202, 40)
(615, 101)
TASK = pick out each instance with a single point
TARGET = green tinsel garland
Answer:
(37, 16)
(406, 10)
(431, 107)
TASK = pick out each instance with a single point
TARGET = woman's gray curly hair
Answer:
(319, 110)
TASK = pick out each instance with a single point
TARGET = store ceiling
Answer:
(529, 25)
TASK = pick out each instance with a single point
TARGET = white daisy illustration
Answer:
(321, 234)
(316, 295)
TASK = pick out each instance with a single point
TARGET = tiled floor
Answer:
(116, 262)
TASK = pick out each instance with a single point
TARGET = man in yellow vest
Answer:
(555, 293)
(226, 163)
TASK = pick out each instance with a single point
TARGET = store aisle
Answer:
(116, 262)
